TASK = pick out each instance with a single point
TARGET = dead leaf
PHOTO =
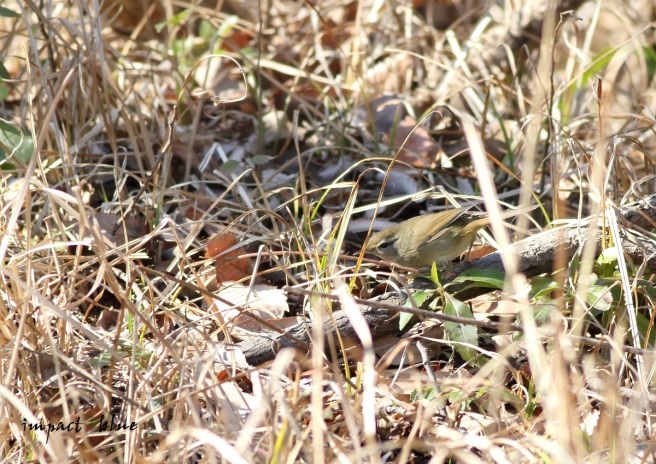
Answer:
(236, 41)
(392, 119)
(229, 265)
(108, 319)
(239, 377)
(418, 147)
(442, 13)
(115, 230)
(128, 15)
(399, 182)
(479, 252)
(390, 74)
(236, 302)
(485, 304)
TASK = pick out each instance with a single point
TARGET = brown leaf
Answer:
(236, 41)
(111, 227)
(229, 265)
(419, 148)
(389, 75)
(391, 118)
(240, 378)
(128, 15)
(479, 252)
(108, 319)
(238, 302)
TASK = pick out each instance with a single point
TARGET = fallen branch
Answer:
(536, 255)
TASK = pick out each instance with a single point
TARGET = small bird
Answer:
(438, 237)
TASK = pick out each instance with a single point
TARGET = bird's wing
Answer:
(446, 218)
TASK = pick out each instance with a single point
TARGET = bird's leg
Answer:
(469, 250)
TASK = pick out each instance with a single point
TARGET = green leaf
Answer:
(650, 59)
(230, 166)
(404, 318)
(434, 274)
(228, 25)
(456, 396)
(646, 287)
(4, 74)
(178, 19)
(102, 360)
(261, 159)
(599, 63)
(608, 256)
(462, 333)
(644, 324)
(426, 393)
(419, 298)
(15, 142)
(541, 286)
(599, 297)
(542, 311)
(435, 304)
(4, 90)
(488, 278)
(206, 30)
(7, 13)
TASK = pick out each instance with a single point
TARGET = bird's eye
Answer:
(385, 245)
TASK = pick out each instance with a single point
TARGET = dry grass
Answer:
(137, 150)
